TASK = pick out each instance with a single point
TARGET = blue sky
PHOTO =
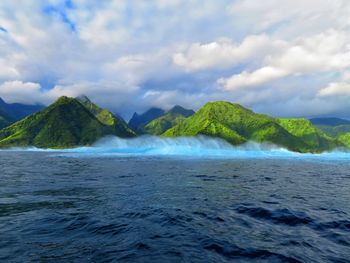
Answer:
(285, 58)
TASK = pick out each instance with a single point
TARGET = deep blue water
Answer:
(63, 208)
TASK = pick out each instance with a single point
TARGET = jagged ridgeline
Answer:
(334, 127)
(139, 121)
(73, 122)
(170, 118)
(238, 125)
(65, 123)
(119, 126)
(17, 111)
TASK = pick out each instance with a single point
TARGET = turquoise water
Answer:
(188, 147)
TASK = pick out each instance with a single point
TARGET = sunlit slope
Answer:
(65, 123)
(237, 125)
(171, 118)
(118, 125)
(311, 135)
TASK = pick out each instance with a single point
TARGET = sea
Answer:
(174, 200)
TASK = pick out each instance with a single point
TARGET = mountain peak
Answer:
(64, 99)
(181, 111)
(138, 121)
(83, 98)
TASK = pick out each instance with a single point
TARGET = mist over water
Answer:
(188, 147)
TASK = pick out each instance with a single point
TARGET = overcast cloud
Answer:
(285, 58)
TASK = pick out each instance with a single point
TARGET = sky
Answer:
(286, 58)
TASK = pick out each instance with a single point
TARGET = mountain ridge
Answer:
(237, 125)
(70, 122)
(106, 117)
(17, 111)
(64, 124)
(138, 121)
(170, 118)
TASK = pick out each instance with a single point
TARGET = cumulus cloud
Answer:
(223, 53)
(23, 92)
(255, 78)
(335, 89)
(294, 17)
(129, 55)
(325, 52)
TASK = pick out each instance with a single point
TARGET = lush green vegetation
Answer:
(4, 122)
(118, 125)
(5, 119)
(171, 118)
(345, 139)
(139, 121)
(311, 135)
(237, 125)
(335, 128)
(77, 122)
(66, 123)
(334, 131)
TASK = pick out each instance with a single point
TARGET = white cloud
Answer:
(295, 17)
(223, 53)
(325, 52)
(18, 91)
(246, 79)
(128, 55)
(336, 89)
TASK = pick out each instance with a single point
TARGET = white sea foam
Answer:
(188, 147)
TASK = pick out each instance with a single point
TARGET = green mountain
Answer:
(139, 121)
(118, 125)
(171, 118)
(5, 120)
(65, 123)
(345, 139)
(334, 127)
(310, 134)
(237, 125)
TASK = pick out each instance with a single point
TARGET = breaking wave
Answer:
(196, 147)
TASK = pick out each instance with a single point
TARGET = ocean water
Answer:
(182, 200)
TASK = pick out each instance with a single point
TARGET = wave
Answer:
(196, 147)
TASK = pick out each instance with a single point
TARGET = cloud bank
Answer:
(285, 60)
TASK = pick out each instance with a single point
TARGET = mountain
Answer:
(329, 121)
(334, 127)
(171, 118)
(237, 125)
(118, 125)
(65, 123)
(17, 111)
(137, 122)
(310, 134)
(5, 120)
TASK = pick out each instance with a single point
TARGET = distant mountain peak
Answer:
(138, 121)
(177, 109)
(329, 121)
(17, 111)
(83, 98)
